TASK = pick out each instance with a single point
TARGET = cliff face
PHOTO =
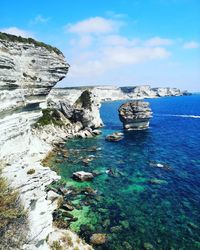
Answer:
(27, 74)
(28, 71)
(112, 93)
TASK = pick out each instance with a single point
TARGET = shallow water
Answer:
(144, 206)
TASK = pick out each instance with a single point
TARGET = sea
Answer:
(152, 198)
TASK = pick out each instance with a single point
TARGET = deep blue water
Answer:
(143, 207)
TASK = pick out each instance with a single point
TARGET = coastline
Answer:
(30, 186)
(29, 72)
(32, 189)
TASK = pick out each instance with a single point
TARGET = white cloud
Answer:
(97, 49)
(109, 58)
(117, 40)
(124, 55)
(17, 32)
(39, 20)
(94, 25)
(191, 45)
(83, 41)
(158, 41)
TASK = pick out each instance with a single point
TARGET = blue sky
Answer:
(120, 42)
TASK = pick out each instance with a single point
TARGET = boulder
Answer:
(114, 137)
(51, 195)
(67, 206)
(135, 115)
(82, 176)
(98, 239)
(96, 132)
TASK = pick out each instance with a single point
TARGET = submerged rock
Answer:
(148, 246)
(157, 181)
(159, 165)
(82, 176)
(67, 206)
(115, 229)
(135, 115)
(98, 239)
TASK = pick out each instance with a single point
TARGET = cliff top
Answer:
(13, 38)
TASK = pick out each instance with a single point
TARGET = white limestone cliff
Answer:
(28, 71)
(113, 93)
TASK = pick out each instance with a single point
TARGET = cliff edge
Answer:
(28, 71)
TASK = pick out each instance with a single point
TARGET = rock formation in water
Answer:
(135, 115)
(28, 71)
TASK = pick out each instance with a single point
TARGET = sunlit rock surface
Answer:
(135, 115)
(113, 93)
(27, 74)
(28, 71)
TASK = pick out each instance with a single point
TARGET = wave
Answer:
(184, 116)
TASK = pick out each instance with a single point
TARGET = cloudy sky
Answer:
(120, 42)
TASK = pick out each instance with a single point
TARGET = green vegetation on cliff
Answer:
(13, 38)
(50, 116)
(84, 101)
(13, 223)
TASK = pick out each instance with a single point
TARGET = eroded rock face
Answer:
(27, 74)
(135, 115)
(84, 109)
(28, 71)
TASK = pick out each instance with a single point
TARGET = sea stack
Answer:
(135, 115)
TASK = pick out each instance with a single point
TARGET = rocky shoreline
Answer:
(28, 71)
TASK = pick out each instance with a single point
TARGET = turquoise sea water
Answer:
(142, 206)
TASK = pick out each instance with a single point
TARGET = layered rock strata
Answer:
(27, 74)
(135, 115)
(28, 71)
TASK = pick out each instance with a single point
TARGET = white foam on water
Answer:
(184, 116)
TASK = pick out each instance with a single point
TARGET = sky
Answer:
(115, 42)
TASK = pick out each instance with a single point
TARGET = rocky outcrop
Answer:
(135, 115)
(85, 109)
(28, 71)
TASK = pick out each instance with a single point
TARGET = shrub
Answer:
(13, 38)
(84, 101)
(31, 171)
(61, 224)
(56, 246)
(49, 116)
(13, 223)
(69, 240)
